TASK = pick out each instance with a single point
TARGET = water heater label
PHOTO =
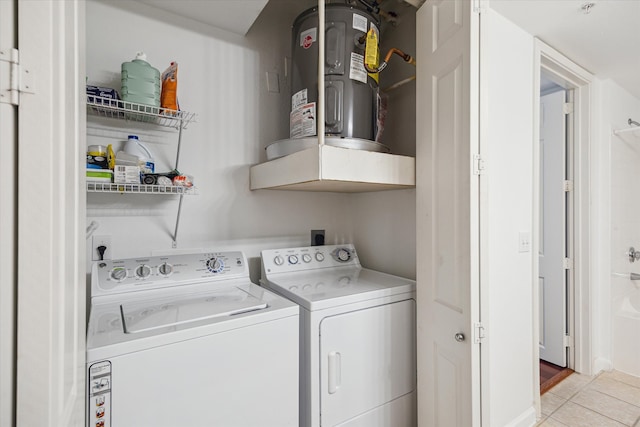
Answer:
(356, 70)
(307, 37)
(302, 121)
(299, 98)
(360, 23)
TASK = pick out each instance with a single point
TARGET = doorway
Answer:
(555, 231)
(576, 83)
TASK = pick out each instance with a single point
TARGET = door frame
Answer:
(51, 338)
(8, 225)
(571, 76)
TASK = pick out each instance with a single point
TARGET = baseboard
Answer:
(526, 419)
(601, 364)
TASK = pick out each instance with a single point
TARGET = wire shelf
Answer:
(124, 110)
(107, 187)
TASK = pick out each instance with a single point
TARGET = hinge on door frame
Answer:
(567, 263)
(477, 5)
(478, 333)
(568, 185)
(567, 107)
(567, 341)
(9, 86)
(478, 165)
(14, 79)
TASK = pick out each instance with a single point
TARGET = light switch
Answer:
(524, 241)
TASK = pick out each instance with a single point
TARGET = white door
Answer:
(448, 250)
(8, 138)
(51, 212)
(552, 252)
(367, 367)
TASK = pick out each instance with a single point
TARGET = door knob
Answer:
(459, 337)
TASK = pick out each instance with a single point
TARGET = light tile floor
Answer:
(608, 399)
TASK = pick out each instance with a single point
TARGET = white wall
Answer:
(507, 147)
(384, 223)
(621, 295)
(222, 79)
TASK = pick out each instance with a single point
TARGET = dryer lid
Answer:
(141, 316)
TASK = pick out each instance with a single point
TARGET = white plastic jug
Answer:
(136, 148)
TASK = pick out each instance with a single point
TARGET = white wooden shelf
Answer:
(335, 169)
(629, 134)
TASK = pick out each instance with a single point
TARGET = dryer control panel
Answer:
(134, 274)
(309, 258)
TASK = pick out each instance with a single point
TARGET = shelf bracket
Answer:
(179, 144)
(174, 244)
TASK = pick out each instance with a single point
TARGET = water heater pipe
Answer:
(407, 58)
(320, 106)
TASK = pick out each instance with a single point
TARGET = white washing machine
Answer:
(357, 337)
(188, 340)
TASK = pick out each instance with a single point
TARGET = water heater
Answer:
(351, 94)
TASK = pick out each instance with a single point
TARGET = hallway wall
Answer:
(624, 303)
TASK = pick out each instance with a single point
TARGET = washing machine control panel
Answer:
(134, 274)
(309, 258)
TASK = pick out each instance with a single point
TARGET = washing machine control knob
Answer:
(343, 255)
(215, 265)
(278, 260)
(306, 258)
(293, 259)
(319, 257)
(143, 271)
(118, 274)
(165, 269)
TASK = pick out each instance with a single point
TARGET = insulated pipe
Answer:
(407, 58)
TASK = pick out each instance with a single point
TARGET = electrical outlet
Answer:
(317, 237)
(101, 241)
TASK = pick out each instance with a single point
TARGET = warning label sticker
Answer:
(359, 23)
(375, 30)
(302, 121)
(298, 98)
(356, 70)
(308, 37)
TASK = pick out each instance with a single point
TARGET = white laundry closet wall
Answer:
(221, 78)
(384, 223)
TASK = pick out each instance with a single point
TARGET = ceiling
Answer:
(605, 41)
(235, 16)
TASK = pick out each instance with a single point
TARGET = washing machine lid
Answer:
(147, 315)
(320, 289)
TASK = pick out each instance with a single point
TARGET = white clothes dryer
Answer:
(188, 340)
(357, 337)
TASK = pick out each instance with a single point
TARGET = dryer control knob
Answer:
(165, 269)
(343, 255)
(143, 271)
(306, 258)
(215, 265)
(293, 259)
(118, 274)
(319, 257)
(278, 260)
